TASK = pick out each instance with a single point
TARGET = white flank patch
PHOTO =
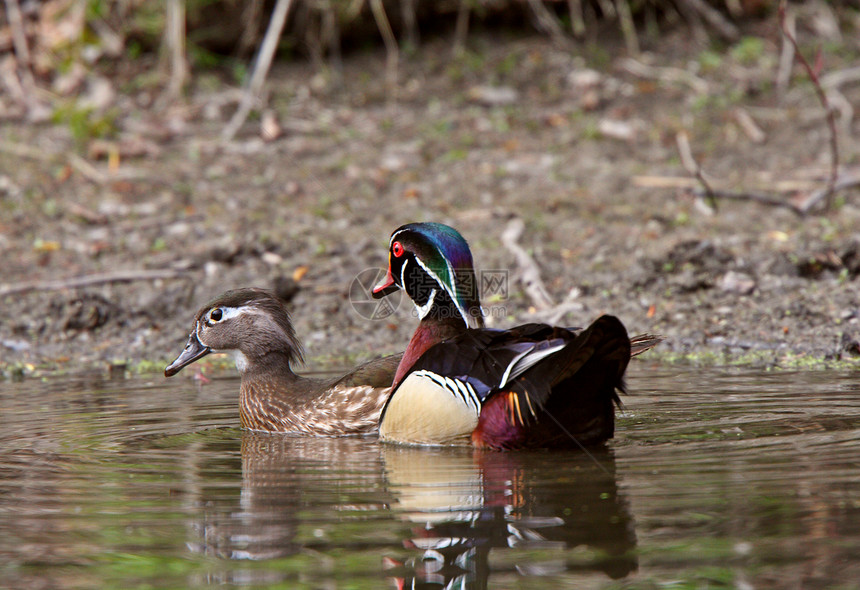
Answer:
(429, 409)
(525, 361)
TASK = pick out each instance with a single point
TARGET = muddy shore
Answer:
(578, 145)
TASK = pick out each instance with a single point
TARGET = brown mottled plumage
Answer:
(255, 325)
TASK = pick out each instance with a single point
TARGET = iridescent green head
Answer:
(432, 263)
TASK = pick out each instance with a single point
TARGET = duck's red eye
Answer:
(397, 249)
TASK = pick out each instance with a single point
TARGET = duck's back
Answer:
(532, 386)
(350, 404)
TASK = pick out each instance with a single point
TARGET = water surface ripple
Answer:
(716, 479)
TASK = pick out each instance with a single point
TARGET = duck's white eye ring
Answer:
(222, 314)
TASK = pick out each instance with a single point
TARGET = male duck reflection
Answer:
(532, 386)
(255, 325)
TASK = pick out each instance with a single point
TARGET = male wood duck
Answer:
(532, 386)
(256, 327)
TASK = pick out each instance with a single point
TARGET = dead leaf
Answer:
(300, 272)
(42, 246)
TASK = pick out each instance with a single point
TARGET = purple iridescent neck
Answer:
(430, 332)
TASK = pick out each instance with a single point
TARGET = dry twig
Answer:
(786, 53)
(174, 41)
(529, 271)
(261, 68)
(410, 22)
(628, 27)
(827, 194)
(763, 198)
(392, 53)
(86, 169)
(553, 315)
(839, 77)
(577, 19)
(462, 28)
(672, 75)
(693, 167)
(24, 151)
(717, 21)
(834, 181)
(123, 276)
(19, 40)
(749, 126)
(549, 22)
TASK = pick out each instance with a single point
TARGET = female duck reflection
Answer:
(460, 504)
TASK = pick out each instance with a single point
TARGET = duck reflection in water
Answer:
(459, 504)
(464, 504)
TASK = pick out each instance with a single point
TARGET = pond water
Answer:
(716, 479)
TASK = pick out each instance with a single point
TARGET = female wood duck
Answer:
(533, 386)
(255, 325)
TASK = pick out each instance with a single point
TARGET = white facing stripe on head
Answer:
(232, 312)
(394, 235)
(448, 289)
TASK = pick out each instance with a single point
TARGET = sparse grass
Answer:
(85, 123)
(748, 51)
(768, 360)
(710, 61)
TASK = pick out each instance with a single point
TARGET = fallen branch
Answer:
(23, 150)
(19, 40)
(841, 77)
(410, 22)
(261, 68)
(763, 198)
(123, 276)
(672, 75)
(174, 40)
(553, 315)
(827, 194)
(786, 54)
(846, 111)
(842, 182)
(656, 181)
(88, 215)
(549, 22)
(834, 182)
(392, 53)
(577, 18)
(628, 27)
(461, 30)
(749, 126)
(693, 167)
(529, 271)
(86, 169)
(718, 22)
